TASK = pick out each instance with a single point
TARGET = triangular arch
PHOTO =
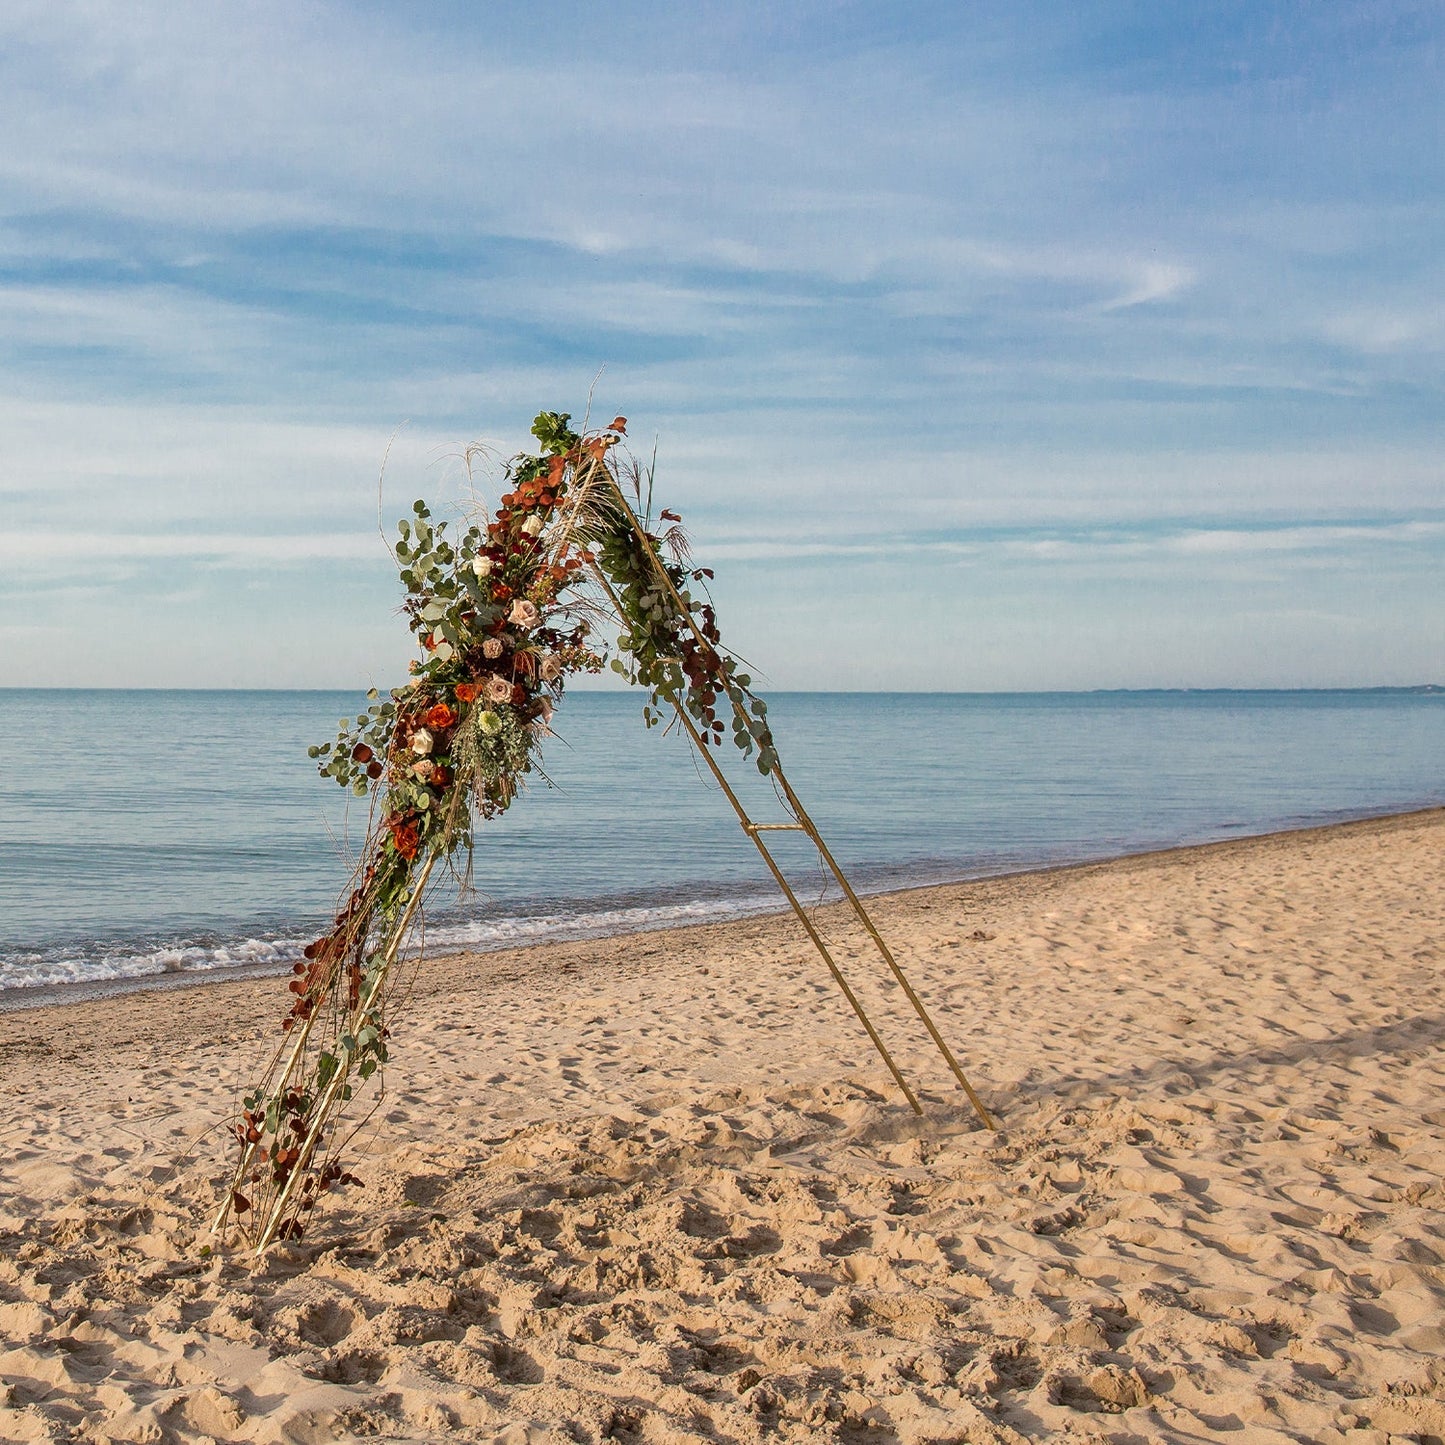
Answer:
(503, 615)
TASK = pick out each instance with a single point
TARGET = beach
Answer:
(657, 1187)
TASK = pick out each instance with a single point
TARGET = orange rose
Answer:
(468, 691)
(440, 717)
(405, 837)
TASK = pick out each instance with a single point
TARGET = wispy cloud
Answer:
(45, 551)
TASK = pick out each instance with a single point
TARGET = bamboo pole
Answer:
(751, 829)
(797, 907)
(249, 1153)
(810, 828)
(343, 1068)
(807, 825)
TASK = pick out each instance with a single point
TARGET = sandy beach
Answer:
(658, 1188)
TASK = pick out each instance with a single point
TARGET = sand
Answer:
(657, 1189)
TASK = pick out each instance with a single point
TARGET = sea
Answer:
(149, 834)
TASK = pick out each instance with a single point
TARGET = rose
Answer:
(422, 742)
(468, 691)
(423, 768)
(524, 613)
(489, 722)
(533, 525)
(546, 711)
(440, 717)
(405, 836)
(492, 648)
(551, 667)
(482, 567)
(498, 689)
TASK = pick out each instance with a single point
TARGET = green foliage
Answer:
(674, 650)
(552, 432)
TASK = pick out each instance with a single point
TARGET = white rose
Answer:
(533, 525)
(422, 742)
(482, 567)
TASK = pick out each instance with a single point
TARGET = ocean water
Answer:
(144, 833)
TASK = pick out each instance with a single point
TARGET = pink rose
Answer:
(551, 668)
(524, 613)
(498, 689)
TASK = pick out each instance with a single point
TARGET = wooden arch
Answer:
(567, 522)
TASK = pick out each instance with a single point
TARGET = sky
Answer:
(983, 347)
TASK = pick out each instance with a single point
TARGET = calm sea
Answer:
(144, 833)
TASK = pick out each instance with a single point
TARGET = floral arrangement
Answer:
(503, 613)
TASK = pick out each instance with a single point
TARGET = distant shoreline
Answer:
(1419, 689)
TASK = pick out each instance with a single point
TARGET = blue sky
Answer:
(984, 346)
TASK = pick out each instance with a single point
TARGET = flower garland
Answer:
(502, 618)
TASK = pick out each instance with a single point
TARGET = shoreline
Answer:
(63, 995)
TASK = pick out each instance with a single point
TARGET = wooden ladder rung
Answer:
(774, 828)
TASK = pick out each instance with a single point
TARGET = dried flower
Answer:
(422, 742)
(524, 613)
(492, 648)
